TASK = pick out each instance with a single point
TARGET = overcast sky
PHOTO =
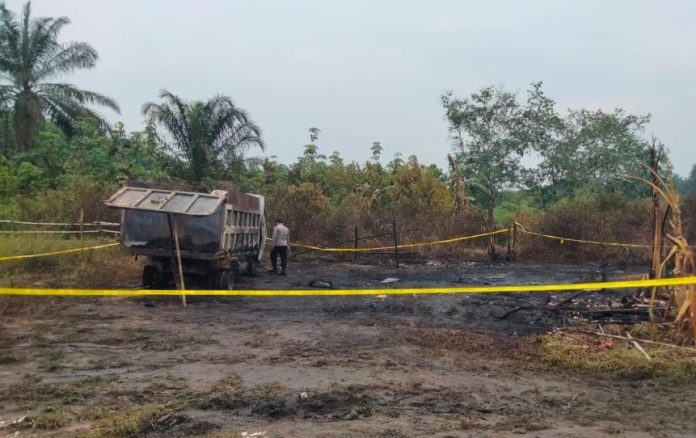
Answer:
(365, 71)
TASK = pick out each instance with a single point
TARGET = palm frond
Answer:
(66, 59)
(7, 93)
(82, 96)
(29, 54)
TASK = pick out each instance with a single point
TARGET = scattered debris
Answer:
(389, 280)
(321, 284)
(262, 434)
(644, 341)
(14, 422)
(588, 306)
(637, 345)
(303, 395)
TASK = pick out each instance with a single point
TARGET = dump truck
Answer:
(215, 236)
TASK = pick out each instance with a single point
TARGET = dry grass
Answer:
(134, 422)
(108, 267)
(615, 358)
(49, 419)
(9, 358)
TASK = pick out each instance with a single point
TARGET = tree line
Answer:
(510, 153)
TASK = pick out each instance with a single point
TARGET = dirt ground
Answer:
(430, 366)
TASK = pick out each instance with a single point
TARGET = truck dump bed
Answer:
(209, 226)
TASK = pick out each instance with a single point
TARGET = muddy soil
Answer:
(433, 366)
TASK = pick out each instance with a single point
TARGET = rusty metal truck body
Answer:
(220, 235)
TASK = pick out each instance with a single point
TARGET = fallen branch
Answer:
(637, 345)
(644, 341)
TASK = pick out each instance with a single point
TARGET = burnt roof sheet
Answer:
(165, 201)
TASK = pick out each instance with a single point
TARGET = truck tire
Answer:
(226, 280)
(149, 275)
(161, 280)
(252, 264)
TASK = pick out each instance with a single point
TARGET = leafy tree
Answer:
(207, 135)
(416, 190)
(30, 56)
(376, 150)
(311, 152)
(492, 131)
(335, 159)
(396, 162)
(596, 150)
(687, 186)
(8, 180)
(486, 130)
(314, 134)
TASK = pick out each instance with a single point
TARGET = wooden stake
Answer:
(355, 254)
(509, 245)
(82, 230)
(655, 156)
(396, 244)
(176, 256)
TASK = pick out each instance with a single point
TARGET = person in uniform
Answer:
(279, 246)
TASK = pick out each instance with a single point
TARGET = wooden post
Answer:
(355, 254)
(176, 256)
(655, 255)
(514, 240)
(509, 245)
(396, 244)
(82, 230)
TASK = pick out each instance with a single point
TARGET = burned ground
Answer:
(446, 365)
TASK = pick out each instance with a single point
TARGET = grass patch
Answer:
(175, 343)
(226, 434)
(107, 267)
(231, 381)
(105, 363)
(135, 422)
(9, 359)
(526, 423)
(54, 363)
(50, 419)
(617, 359)
(56, 393)
(265, 390)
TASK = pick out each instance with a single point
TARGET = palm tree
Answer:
(206, 134)
(30, 55)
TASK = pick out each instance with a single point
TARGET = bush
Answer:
(605, 217)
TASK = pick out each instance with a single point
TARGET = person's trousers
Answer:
(283, 252)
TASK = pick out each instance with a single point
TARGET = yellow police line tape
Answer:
(356, 292)
(52, 253)
(410, 245)
(407, 245)
(593, 242)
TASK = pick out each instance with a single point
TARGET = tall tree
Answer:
(314, 134)
(376, 150)
(208, 135)
(30, 57)
(492, 131)
(596, 149)
(485, 128)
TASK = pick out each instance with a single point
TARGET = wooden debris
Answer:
(637, 345)
(644, 341)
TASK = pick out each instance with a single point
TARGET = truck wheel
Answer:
(226, 280)
(161, 280)
(149, 274)
(252, 264)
